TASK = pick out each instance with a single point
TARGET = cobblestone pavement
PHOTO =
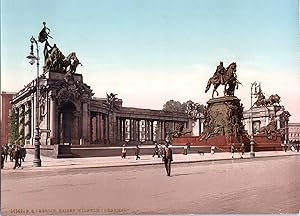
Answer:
(216, 185)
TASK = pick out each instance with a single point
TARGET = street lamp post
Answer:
(32, 59)
(253, 85)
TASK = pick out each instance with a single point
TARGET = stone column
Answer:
(138, 130)
(86, 133)
(22, 121)
(27, 121)
(100, 127)
(32, 121)
(134, 130)
(160, 137)
(97, 127)
(119, 129)
(151, 130)
(76, 121)
(53, 123)
(146, 130)
(131, 129)
(163, 131)
(124, 129)
(105, 128)
(60, 128)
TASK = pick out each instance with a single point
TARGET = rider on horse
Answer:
(219, 74)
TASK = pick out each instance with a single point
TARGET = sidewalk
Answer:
(98, 162)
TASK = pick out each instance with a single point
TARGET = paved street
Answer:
(262, 185)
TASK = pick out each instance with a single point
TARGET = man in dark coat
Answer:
(2, 156)
(156, 151)
(242, 150)
(23, 153)
(168, 158)
(137, 152)
(232, 149)
(5, 149)
(17, 157)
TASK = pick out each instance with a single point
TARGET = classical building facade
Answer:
(263, 116)
(69, 114)
(294, 132)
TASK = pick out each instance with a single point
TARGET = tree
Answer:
(191, 108)
(14, 127)
(174, 106)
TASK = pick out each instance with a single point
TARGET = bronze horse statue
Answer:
(229, 78)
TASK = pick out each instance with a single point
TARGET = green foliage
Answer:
(174, 106)
(177, 106)
(14, 127)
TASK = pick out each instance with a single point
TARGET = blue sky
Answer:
(150, 51)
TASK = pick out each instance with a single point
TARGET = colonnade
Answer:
(109, 128)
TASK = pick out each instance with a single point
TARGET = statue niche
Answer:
(67, 123)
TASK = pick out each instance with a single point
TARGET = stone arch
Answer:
(68, 122)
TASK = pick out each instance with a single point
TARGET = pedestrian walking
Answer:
(293, 148)
(17, 157)
(168, 158)
(11, 150)
(160, 150)
(124, 151)
(285, 147)
(156, 151)
(232, 149)
(212, 149)
(137, 152)
(2, 156)
(185, 149)
(23, 153)
(5, 151)
(242, 150)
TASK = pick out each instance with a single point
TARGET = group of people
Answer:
(293, 147)
(233, 149)
(136, 153)
(15, 153)
(164, 152)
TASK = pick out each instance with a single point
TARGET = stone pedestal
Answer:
(223, 116)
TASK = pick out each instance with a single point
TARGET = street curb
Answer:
(150, 164)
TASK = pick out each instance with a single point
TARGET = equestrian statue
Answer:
(226, 77)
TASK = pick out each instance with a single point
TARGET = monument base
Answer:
(221, 141)
(261, 142)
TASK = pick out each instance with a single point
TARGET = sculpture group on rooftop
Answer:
(55, 60)
(263, 101)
